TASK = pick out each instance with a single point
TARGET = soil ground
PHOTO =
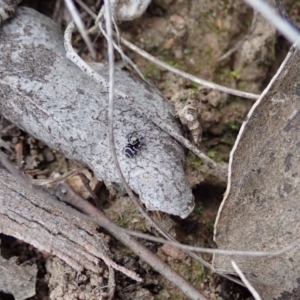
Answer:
(191, 35)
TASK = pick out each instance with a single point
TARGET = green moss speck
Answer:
(122, 223)
(197, 269)
(213, 154)
(194, 160)
(149, 70)
(235, 73)
(198, 210)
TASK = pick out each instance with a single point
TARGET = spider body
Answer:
(133, 146)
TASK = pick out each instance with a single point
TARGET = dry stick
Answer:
(85, 7)
(187, 75)
(281, 7)
(5, 145)
(108, 21)
(78, 61)
(57, 13)
(52, 181)
(125, 58)
(111, 283)
(77, 20)
(209, 162)
(246, 282)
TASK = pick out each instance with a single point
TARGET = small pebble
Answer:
(48, 155)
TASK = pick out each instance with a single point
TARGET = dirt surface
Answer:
(191, 35)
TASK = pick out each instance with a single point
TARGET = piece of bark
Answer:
(261, 207)
(50, 98)
(18, 280)
(27, 217)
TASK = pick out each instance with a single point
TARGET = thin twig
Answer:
(246, 282)
(53, 181)
(85, 7)
(77, 20)
(187, 75)
(270, 14)
(283, 12)
(57, 13)
(208, 161)
(125, 58)
(71, 55)
(5, 146)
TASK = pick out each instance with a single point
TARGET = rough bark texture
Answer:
(29, 218)
(261, 208)
(50, 98)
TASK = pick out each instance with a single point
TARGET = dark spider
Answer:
(133, 146)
